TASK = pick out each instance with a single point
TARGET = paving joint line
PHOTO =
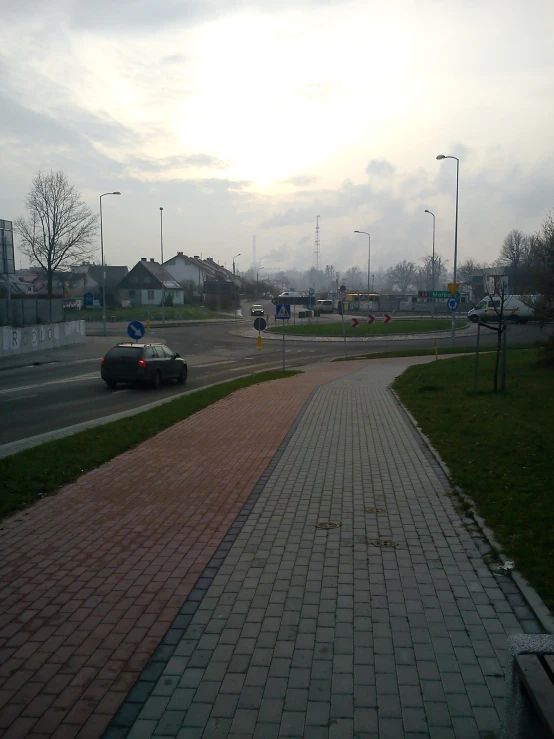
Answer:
(530, 595)
(122, 722)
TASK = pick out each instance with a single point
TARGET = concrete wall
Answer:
(30, 339)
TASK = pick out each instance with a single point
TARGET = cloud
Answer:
(380, 168)
(300, 180)
(170, 165)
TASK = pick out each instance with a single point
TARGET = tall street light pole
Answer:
(162, 265)
(257, 276)
(116, 192)
(234, 285)
(439, 157)
(368, 261)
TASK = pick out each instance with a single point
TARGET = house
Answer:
(187, 269)
(88, 279)
(145, 283)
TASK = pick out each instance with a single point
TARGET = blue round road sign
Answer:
(135, 330)
(452, 303)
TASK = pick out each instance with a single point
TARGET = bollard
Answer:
(259, 343)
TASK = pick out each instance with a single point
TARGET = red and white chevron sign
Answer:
(386, 318)
(355, 322)
(370, 318)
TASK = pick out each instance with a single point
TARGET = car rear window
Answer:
(124, 351)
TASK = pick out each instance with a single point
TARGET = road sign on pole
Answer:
(371, 319)
(260, 324)
(282, 312)
(387, 318)
(453, 288)
(355, 322)
(135, 330)
(452, 304)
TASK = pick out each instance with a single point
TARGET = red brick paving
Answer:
(92, 578)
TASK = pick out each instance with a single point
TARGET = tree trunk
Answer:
(49, 284)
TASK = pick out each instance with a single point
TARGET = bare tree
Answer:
(469, 269)
(403, 275)
(424, 275)
(514, 249)
(59, 227)
(353, 277)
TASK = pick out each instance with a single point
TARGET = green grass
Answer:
(427, 352)
(364, 329)
(499, 449)
(177, 313)
(34, 473)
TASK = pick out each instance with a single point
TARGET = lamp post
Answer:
(257, 276)
(433, 268)
(439, 157)
(116, 192)
(234, 285)
(368, 260)
(162, 265)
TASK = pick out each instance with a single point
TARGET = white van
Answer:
(324, 306)
(290, 294)
(517, 308)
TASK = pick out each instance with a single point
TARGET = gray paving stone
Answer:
(317, 632)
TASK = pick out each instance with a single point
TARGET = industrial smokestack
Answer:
(254, 263)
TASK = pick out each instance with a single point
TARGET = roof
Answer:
(114, 275)
(161, 274)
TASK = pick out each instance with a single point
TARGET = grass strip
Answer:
(428, 352)
(179, 312)
(36, 472)
(499, 449)
(365, 329)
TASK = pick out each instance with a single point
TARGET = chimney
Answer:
(179, 253)
(195, 257)
(151, 259)
(143, 259)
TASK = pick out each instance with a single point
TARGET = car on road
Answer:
(517, 309)
(324, 306)
(141, 364)
(257, 310)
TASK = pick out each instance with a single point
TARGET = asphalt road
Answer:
(68, 390)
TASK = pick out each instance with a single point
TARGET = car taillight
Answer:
(102, 361)
(142, 363)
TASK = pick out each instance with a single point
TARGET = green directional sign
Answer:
(437, 294)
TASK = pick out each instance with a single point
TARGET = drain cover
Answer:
(327, 524)
(384, 543)
(375, 510)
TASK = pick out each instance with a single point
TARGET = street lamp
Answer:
(115, 192)
(439, 157)
(433, 273)
(257, 275)
(368, 260)
(234, 285)
(162, 265)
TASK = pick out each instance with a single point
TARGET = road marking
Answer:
(79, 378)
(22, 397)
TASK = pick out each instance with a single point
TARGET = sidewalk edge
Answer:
(532, 598)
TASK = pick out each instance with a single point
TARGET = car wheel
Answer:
(112, 384)
(157, 381)
(474, 319)
(183, 376)
(514, 318)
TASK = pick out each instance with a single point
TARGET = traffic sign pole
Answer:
(283, 346)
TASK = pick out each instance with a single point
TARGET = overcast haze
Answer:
(243, 118)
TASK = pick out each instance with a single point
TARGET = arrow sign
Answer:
(355, 322)
(135, 330)
(386, 318)
(370, 318)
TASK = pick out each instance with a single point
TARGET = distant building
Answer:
(145, 283)
(187, 269)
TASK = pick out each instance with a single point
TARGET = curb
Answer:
(532, 598)
(253, 334)
(22, 445)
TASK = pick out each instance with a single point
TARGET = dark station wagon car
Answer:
(142, 363)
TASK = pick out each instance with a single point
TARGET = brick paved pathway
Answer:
(91, 579)
(302, 632)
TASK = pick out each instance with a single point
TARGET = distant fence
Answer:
(31, 311)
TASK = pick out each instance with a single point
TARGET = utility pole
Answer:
(162, 251)
(317, 251)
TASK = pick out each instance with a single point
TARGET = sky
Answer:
(247, 118)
